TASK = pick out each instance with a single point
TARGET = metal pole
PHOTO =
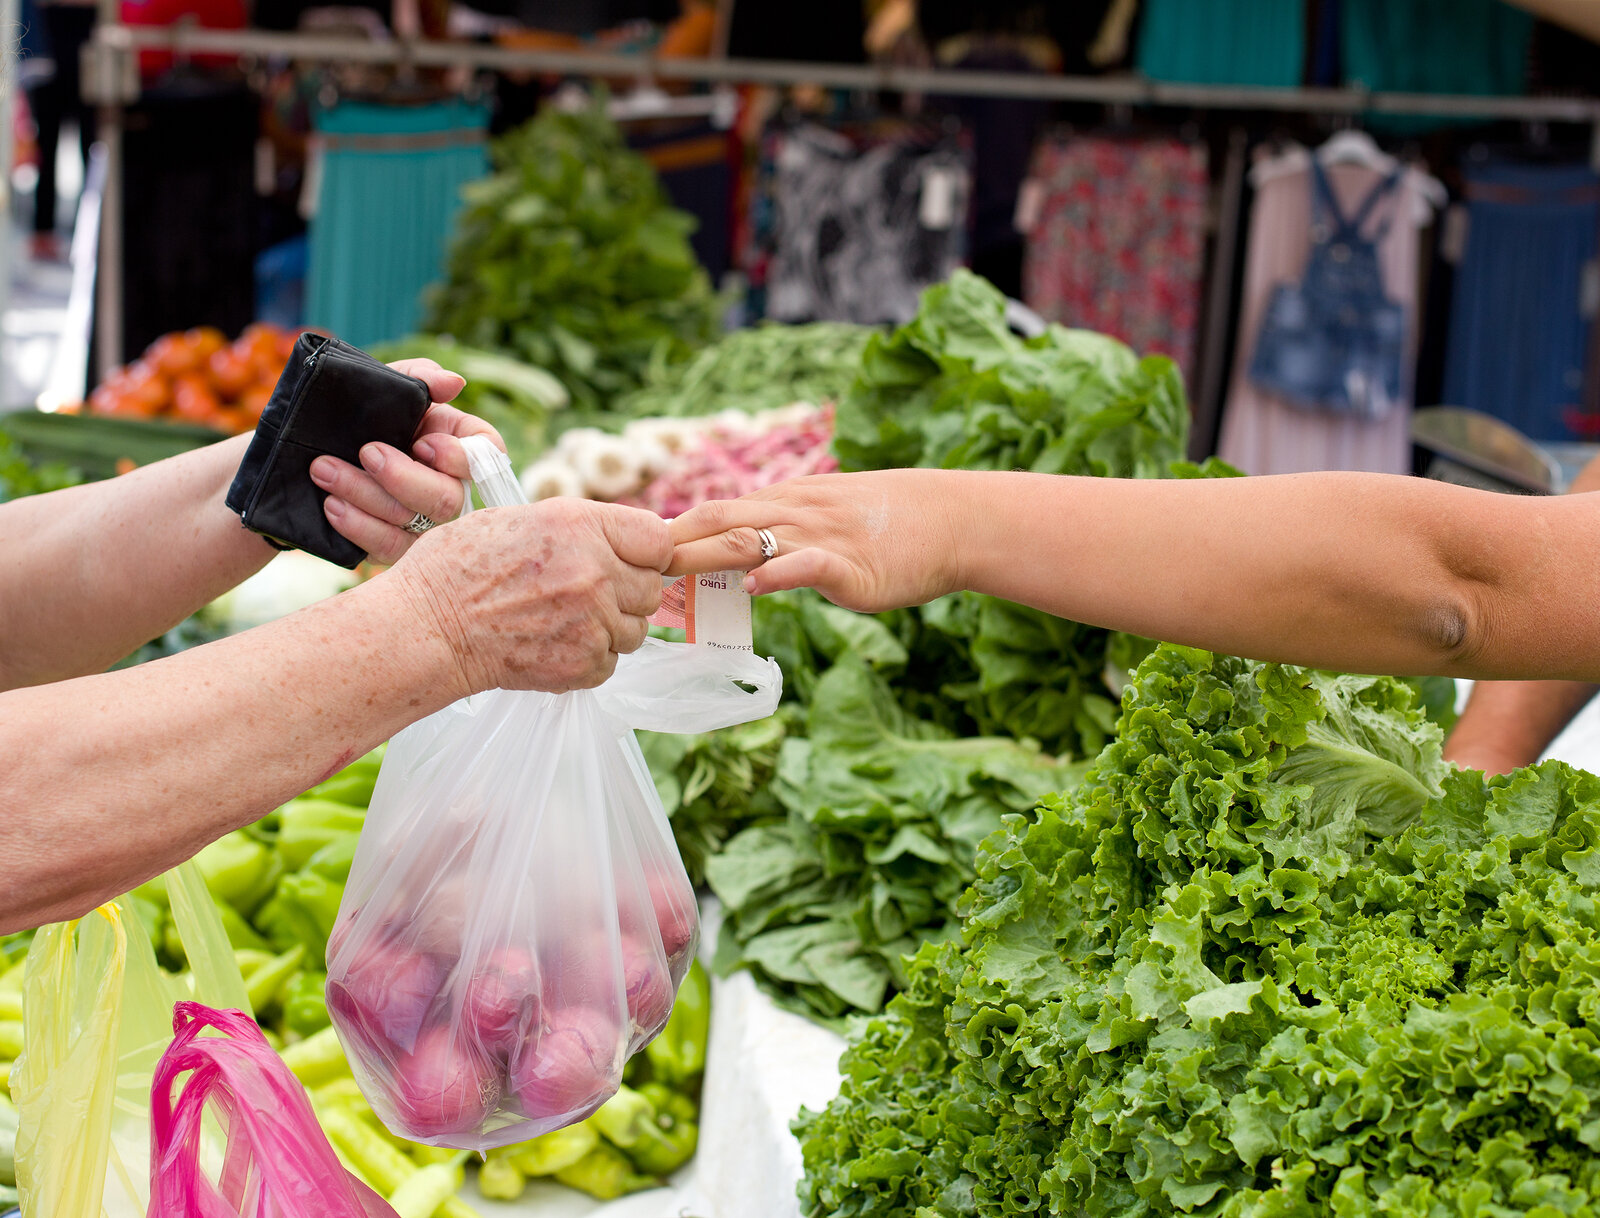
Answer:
(114, 60)
(9, 22)
(1126, 90)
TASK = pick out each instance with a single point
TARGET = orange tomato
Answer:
(231, 372)
(260, 340)
(145, 392)
(106, 399)
(126, 465)
(233, 419)
(194, 400)
(253, 401)
(207, 341)
(173, 355)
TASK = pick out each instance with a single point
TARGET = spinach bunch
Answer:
(568, 257)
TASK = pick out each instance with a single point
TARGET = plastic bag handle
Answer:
(492, 474)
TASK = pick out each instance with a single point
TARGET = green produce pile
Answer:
(1271, 957)
(755, 369)
(884, 814)
(277, 886)
(955, 388)
(20, 476)
(568, 257)
(916, 731)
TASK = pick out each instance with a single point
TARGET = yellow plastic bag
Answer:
(97, 1015)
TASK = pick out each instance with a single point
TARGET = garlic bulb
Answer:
(550, 478)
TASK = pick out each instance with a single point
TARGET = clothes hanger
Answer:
(1351, 147)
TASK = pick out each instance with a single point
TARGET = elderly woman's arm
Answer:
(1360, 572)
(112, 778)
(91, 573)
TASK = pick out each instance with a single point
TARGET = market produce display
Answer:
(567, 256)
(754, 369)
(955, 388)
(669, 465)
(884, 814)
(197, 376)
(19, 476)
(277, 885)
(1271, 957)
(917, 731)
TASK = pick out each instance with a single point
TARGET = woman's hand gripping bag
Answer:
(518, 920)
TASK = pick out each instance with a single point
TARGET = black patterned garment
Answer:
(860, 221)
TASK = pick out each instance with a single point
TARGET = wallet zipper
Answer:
(314, 366)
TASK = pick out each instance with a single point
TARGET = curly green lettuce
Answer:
(1272, 957)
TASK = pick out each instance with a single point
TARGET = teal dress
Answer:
(391, 186)
(1223, 42)
(1477, 47)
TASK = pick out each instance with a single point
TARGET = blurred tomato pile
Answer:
(198, 376)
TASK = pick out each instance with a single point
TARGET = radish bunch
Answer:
(669, 465)
(480, 1044)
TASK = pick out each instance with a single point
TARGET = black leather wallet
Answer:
(332, 398)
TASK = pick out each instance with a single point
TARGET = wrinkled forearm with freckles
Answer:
(1359, 572)
(112, 778)
(89, 574)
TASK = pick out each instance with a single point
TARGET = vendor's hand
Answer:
(544, 596)
(370, 504)
(869, 542)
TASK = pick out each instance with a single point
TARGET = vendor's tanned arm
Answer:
(1357, 572)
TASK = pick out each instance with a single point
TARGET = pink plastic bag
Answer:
(278, 1163)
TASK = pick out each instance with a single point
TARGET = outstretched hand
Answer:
(869, 542)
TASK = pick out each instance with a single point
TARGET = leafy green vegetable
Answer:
(20, 477)
(715, 783)
(755, 369)
(883, 814)
(568, 257)
(1272, 957)
(955, 388)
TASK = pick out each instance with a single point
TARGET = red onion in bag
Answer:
(386, 993)
(501, 1001)
(648, 986)
(445, 1086)
(570, 1069)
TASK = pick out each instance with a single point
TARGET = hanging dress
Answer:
(1262, 434)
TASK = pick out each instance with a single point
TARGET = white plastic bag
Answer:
(517, 919)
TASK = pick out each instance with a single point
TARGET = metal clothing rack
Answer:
(111, 82)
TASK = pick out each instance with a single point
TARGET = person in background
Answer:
(1509, 724)
(66, 25)
(113, 777)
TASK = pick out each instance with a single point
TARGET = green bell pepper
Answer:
(499, 1179)
(679, 1053)
(656, 1142)
(605, 1174)
(550, 1152)
(264, 983)
(302, 911)
(306, 825)
(239, 870)
(353, 784)
(305, 1004)
(333, 860)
